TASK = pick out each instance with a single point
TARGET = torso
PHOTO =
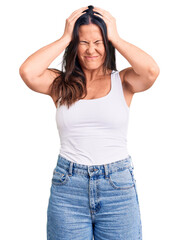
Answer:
(97, 89)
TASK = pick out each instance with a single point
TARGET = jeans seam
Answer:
(122, 188)
(60, 183)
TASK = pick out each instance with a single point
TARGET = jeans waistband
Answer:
(103, 169)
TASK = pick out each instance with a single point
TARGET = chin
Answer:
(92, 66)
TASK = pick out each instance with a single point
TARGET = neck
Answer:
(92, 75)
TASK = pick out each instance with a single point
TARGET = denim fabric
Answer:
(99, 202)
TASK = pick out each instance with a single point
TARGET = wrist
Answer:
(115, 40)
(66, 38)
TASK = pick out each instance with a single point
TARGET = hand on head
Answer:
(70, 21)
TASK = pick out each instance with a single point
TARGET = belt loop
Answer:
(70, 169)
(106, 171)
(132, 163)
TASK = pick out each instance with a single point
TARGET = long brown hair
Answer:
(70, 84)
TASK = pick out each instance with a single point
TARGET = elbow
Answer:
(22, 70)
(154, 72)
(24, 74)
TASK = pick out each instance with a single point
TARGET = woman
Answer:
(93, 191)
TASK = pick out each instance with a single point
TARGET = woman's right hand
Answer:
(70, 22)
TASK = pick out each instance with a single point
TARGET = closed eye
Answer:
(96, 42)
(99, 41)
(83, 42)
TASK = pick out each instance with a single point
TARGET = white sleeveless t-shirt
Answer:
(94, 131)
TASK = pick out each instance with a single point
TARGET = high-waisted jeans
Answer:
(99, 202)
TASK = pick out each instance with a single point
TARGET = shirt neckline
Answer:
(100, 98)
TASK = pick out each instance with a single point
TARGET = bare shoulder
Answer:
(121, 74)
(128, 94)
(124, 83)
(42, 83)
(54, 73)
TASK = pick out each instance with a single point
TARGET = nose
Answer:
(90, 48)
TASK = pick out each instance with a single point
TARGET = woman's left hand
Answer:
(110, 23)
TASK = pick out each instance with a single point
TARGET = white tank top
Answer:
(94, 131)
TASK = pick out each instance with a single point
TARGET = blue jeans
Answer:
(98, 201)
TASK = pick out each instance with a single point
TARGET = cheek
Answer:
(102, 50)
(80, 52)
(103, 53)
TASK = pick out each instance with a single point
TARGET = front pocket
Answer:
(122, 179)
(60, 176)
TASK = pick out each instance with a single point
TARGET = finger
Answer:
(99, 9)
(98, 15)
(78, 10)
(81, 9)
(77, 13)
(105, 15)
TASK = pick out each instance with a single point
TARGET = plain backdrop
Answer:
(28, 132)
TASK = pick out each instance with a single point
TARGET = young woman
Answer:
(93, 191)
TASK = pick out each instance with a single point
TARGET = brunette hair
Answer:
(70, 84)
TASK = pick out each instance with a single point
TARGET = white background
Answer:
(29, 137)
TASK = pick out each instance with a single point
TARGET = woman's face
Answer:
(91, 50)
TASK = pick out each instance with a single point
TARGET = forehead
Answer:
(90, 32)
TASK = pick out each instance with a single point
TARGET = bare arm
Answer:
(34, 71)
(38, 62)
(144, 70)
